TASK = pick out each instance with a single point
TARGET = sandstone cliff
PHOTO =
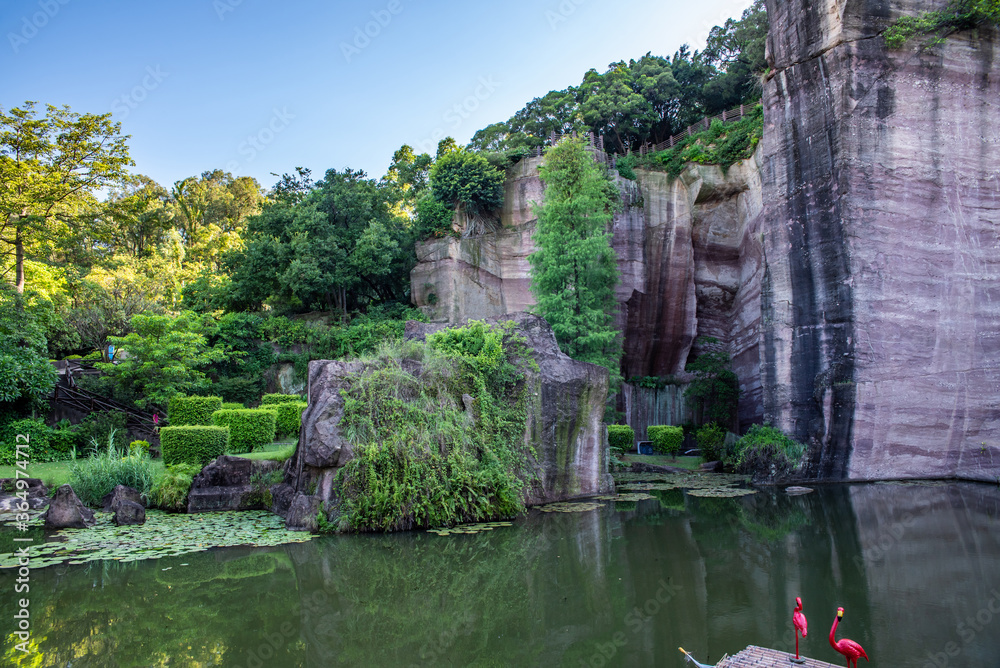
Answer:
(850, 267)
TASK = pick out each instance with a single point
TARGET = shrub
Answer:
(666, 439)
(136, 447)
(621, 437)
(274, 399)
(100, 425)
(289, 418)
(44, 445)
(171, 488)
(195, 444)
(767, 454)
(232, 406)
(97, 476)
(710, 441)
(248, 427)
(184, 410)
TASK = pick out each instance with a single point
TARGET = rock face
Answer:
(566, 404)
(117, 495)
(881, 336)
(849, 267)
(232, 483)
(66, 511)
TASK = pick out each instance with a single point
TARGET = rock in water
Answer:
(227, 483)
(797, 491)
(129, 512)
(566, 405)
(118, 494)
(37, 494)
(66, 511)
(302, 513)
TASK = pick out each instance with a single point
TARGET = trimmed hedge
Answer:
(194, 444)
(711, 438)
(232, 406)
(274, 399)
(289, 417)
(248, 427)
(666, 439)
(621, 437)
(184, 410)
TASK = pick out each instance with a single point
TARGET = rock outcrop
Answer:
(566, 404)
(849, 267)
(66, 511)
(117, 495)
(881, 336)
(232, 483)
(37, 495)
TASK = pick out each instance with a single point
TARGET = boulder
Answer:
(118, 494)
(38, 495)
(302, 513)
(66, 511)
(564, 428)
(128, 512)
(231, 483)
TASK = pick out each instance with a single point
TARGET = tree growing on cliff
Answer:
(574, 269)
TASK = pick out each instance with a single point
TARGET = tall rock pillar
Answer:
(880, 337)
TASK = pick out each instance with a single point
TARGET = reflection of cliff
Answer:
(849, 267)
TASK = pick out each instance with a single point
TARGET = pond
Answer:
(916, 566)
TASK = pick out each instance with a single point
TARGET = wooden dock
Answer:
(762, 657)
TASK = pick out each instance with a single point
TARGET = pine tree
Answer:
(574, 269)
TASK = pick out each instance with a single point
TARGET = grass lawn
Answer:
(689, 463)
(54, 474)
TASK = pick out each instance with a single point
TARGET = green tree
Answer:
(50, 169)
(26, 377)
(164, 356)
(574, 269)
(469, 185)
(736, 50)
(716, 388)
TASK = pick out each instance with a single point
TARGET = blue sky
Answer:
(256, 87)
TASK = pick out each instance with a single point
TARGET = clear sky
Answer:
(256, 87)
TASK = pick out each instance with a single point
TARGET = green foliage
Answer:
(574, 270)
(621, 438)
(715, 389)
(721, 144)
(184, 410)
(711, 438)
(667, 439)
(625, 166)
(196, 445)
(170, 490)
(653, 382)
(26, 376)
(42, 447)
(248, 428)
(165, 357)
(767, 454)
(420, 458)
(466, 179)
(288, 418)
(958, 15)
(100, 426)
(231, 406)
(136, 447)
(96, 476)
(274, 399)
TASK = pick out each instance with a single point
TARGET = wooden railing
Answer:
(597, 141)
(87, 402)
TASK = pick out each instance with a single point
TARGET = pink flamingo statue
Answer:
(801, 627)
(850, 649)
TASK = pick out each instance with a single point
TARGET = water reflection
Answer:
(910, 564)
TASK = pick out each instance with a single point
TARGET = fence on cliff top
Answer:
(597, 141)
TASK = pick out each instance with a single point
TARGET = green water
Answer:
(614, 586)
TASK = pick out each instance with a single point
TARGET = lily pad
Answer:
(569, 507)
